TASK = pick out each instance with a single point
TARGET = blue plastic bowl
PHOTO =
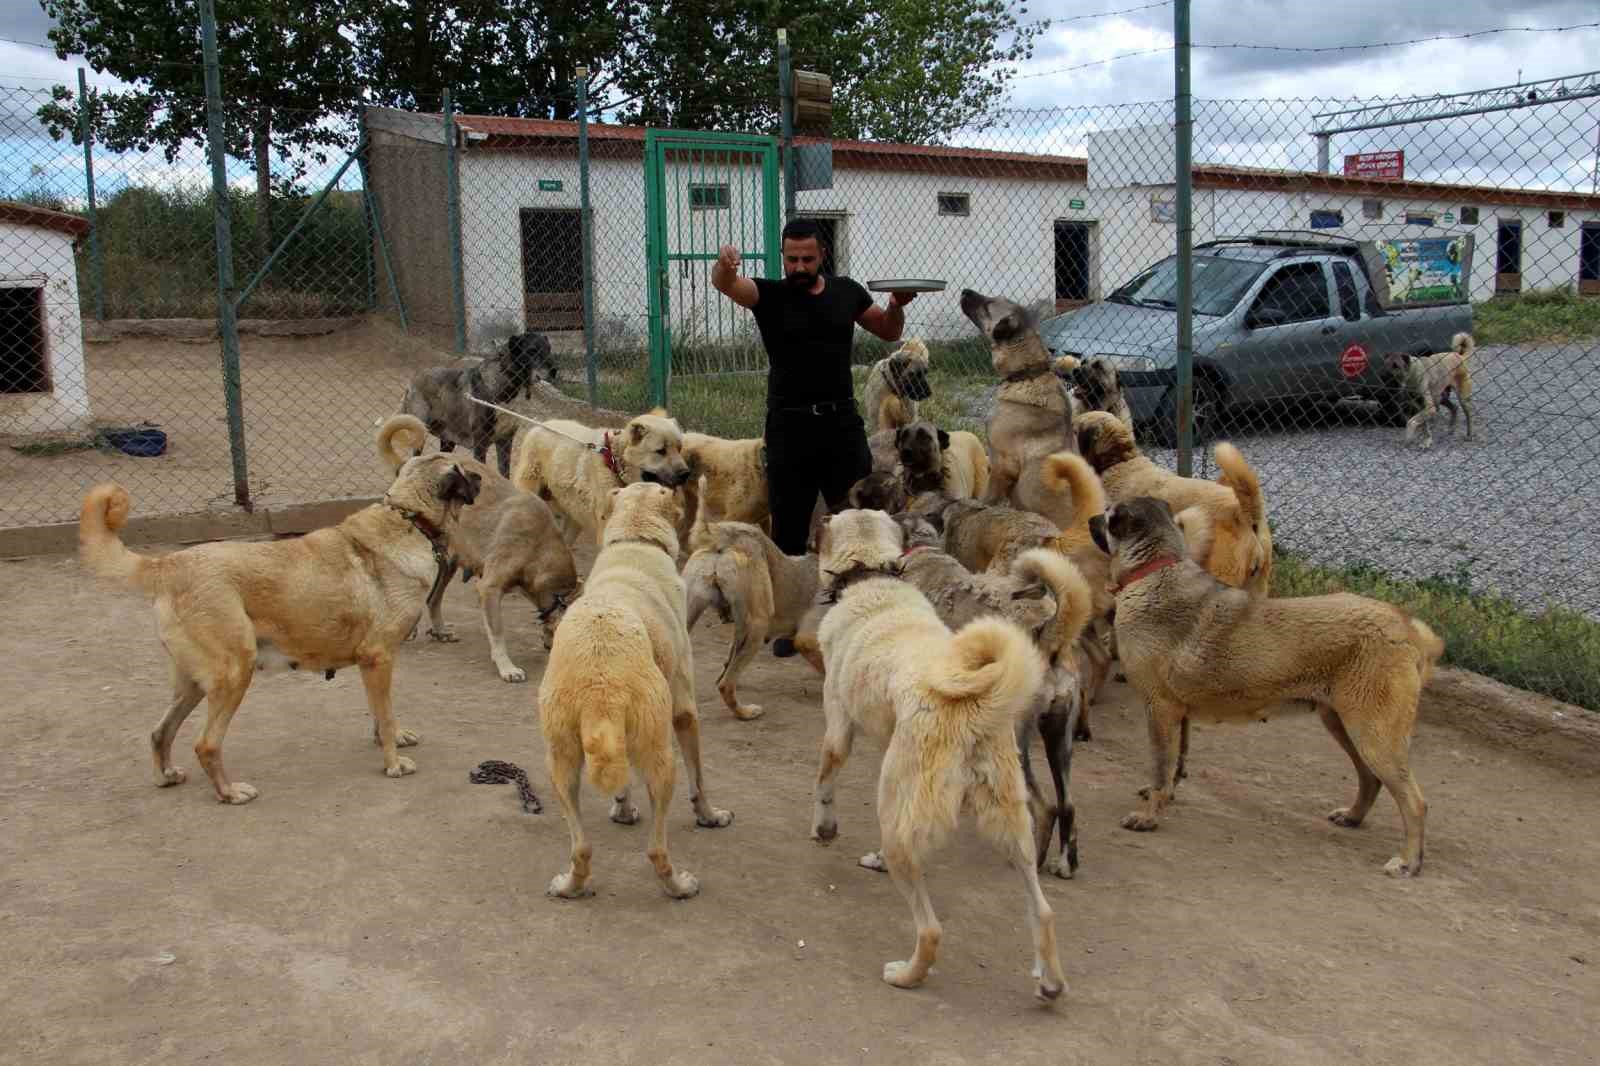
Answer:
(140, 442)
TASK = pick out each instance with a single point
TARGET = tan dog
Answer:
(1195, 647)
(751, 583)
(1430, 380)
(948, 705)
(575, 467)
(1032, 418)
(1225, 521)
(932, 460)
(336, 597)
(880, 490)
(894, 385)
(620, 680)
(1047, 596)
(1096, 387)
(727, 482)
(505, 538)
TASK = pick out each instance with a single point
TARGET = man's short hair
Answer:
(803, 229)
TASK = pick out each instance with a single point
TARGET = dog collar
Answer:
(915, 548)
(613, 461)
(858, 573)
(639, 540)
(1028, 373)
(1144, 571)
(426, 528)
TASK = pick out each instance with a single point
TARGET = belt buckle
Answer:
(816, 410)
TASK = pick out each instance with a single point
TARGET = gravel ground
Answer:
(1516, 509)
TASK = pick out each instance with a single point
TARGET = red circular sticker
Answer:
(1353, 361)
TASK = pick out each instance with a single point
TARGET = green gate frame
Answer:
(690, 147)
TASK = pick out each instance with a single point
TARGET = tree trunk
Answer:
(261, 143)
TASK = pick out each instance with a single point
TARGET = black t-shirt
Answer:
(808, 339)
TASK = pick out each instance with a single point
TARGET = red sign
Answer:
(1353, 361)
(1376, 165)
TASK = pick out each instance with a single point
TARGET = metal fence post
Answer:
(97, 264)
(453, 195)
(586, 225)
(232, 389)
(1184, 131)
(786, 121)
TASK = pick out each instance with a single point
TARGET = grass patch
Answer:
(1544, 315)
(43, 449)
(1556, 653)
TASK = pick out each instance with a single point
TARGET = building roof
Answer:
(28, 215)
(488, 131)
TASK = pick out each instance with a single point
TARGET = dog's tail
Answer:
(1074, 601)
(1463, 344)
(1428, 644)
(409, 430)
(993, 669)
(1070, 472)
(105, 510)
(1238, 475)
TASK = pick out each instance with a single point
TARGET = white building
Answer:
(1030, 227)
(43, 387)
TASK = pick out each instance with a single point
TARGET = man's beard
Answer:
(800, 279)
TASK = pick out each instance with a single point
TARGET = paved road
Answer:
(1517, 509)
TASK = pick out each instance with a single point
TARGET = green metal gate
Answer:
(704, 190)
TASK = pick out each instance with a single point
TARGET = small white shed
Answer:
(43, 386)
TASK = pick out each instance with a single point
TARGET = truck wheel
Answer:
(1209, 407)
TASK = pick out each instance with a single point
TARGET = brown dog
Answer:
(620, 680)
(336, 597)
(1195, 647)
(1032, 418)
(895, 385)
(505, 538)
(727, 482)
(1430, 380)
(932, 460)
(1225, 521)
(1096, 387)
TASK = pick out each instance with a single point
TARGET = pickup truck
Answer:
(1279, 318)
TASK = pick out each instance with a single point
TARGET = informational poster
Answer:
(1389, 165)
(1426, 269)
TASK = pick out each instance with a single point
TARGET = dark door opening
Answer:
(1508, 258)
(1589, 259)
(24, 357)
(1072, 265)
(830, 244)
(552, 268)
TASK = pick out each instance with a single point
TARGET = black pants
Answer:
(810, 453)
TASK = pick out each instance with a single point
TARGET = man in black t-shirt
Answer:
(815, 438)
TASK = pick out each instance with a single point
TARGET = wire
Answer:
(1061, 21)
(1097, 62)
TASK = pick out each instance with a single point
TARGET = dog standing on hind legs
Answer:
(620, 676)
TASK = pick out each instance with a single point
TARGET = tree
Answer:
(913, 71)
(286, 68)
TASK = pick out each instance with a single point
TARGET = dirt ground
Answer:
(347, 917)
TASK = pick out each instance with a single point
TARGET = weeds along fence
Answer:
(1323, 266)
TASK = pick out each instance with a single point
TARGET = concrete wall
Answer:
(409, 177)
(37, 258)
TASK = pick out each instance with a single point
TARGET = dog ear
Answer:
(1097, 533)
(944, 439)
(1009, 327)
(1030, 592)
(1086, 439)
(900, 437)
(936, 520)
(635, 433)
(458, 484)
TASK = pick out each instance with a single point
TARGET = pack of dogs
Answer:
(974, 593)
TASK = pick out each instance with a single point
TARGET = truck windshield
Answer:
(1218, 284)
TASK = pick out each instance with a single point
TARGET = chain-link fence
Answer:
(1331, 275)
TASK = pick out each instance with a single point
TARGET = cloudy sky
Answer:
(1551, 146)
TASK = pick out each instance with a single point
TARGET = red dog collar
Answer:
(612, 459)
(1142, 572)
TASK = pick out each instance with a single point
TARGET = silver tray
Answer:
(906, 285)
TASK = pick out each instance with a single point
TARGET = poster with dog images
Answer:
(1426, 269)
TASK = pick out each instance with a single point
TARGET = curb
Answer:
(1522, 722)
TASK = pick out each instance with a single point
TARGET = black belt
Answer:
(822, 408)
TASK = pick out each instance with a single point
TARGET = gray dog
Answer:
(438, 396)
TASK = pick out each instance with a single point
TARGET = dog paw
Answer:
(409, 637)
(748, 712)
(239, 792)
(1048, 992)
(401, 767)
(873, 860)
(717, 819)
(1139, 822)
(1341, 817)
(1082, 733)
(823, 832)
(170, 776)
(565, 886)
(445, 634)
(1059, 867)
(681, 885)
(1398, 867)
(899, 974)
(624, 813)
(513, 675)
